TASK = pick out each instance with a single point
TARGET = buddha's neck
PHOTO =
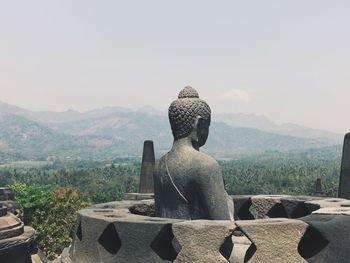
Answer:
(184, 143)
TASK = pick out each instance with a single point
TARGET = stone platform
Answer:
(267, 229)
(17, 242)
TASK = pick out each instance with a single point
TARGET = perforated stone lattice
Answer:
(162, 244)
(124, 237)
(110, 240)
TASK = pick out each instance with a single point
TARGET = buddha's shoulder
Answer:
(190, 160)
(202, 160)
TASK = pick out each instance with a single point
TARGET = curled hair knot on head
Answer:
(184, 111)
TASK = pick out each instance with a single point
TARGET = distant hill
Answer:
(64, 116)
(262, 123)
(115, 132)
(259, 122)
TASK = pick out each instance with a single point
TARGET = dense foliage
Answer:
(283, 173)
(95, 182)
(52, 212)
(51, 193)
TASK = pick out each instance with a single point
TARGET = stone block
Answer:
(113, 235)
(143, 209)
(327, 238)
(17, 253)
(273, 240)
(201, 240)
(327, 202)
(295, 206)
(10, 226)
(13, 207)
(138, 196)
(333, 211)
(18, 249)
(267, 206)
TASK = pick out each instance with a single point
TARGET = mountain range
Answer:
(111, 132)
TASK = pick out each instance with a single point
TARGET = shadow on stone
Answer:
(226, 248)
(143, 209)
(110, 240)
(277, 211)
(311, 243)
(243, 211)
(162, 244)
(79, 232)
(250, 252)
(300, 211)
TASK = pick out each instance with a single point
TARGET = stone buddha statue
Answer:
(189, 184)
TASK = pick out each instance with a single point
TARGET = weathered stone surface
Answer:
(18, 249)
(147, 168)
(143, 209)
(10, 226)
(333, 211)
(327, 239)
(276, 240)
(200, 240)
(124, 204)
(13, 208)
(295, 206)
(327, 202)
(115, 235)
(39, 257)
(65, 256)
(344, 182)
(148, 241)
(267, 206)
(28, 236)
(18, 253)
(6, 194)
(138, 196)
(84, 248)
(17, 242)
(188, 184)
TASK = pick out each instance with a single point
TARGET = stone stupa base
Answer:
(267, 229)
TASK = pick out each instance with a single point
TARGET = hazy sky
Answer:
(288, 60)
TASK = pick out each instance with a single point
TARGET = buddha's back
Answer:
(188, 184)
(176, 186)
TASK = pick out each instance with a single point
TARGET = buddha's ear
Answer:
(197, 121)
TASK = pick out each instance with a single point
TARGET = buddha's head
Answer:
(190, 117)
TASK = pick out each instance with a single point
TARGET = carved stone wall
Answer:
(267, 229)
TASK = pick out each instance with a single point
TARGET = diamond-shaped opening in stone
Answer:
(226, 248)
(312, 243)
(277, 211)
(79, 232)
(110, 240)
(252, 248)
(250, 252)
(162, 244)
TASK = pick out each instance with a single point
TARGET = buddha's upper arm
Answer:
(213, 191)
